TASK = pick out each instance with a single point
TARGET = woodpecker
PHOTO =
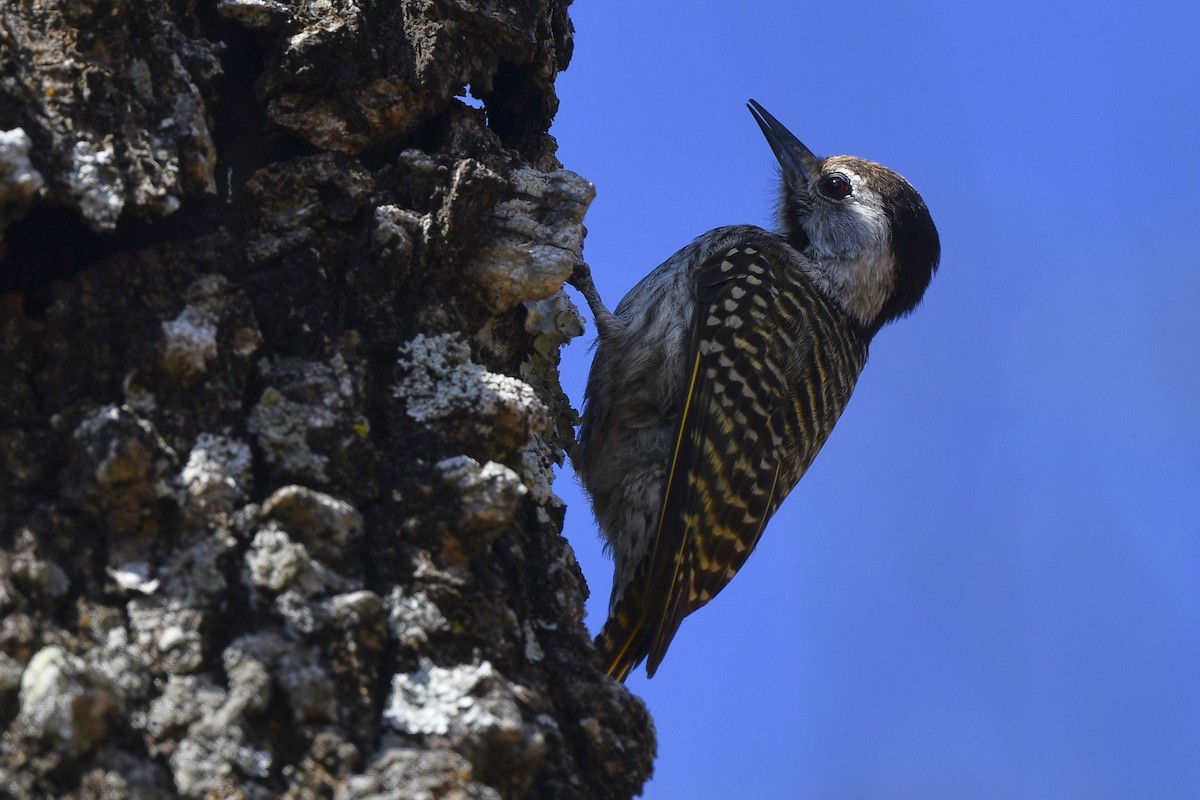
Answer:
(719, 376)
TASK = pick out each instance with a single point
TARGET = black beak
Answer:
(796, 159)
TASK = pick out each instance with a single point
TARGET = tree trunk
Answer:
(279, 333)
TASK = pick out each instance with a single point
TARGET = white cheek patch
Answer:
(852, 243)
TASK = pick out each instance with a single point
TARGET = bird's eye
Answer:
(835, 187)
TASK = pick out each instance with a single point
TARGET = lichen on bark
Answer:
(279, 331)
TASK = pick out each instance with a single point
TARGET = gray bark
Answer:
(280, 323)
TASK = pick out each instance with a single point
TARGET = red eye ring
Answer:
(835, 187)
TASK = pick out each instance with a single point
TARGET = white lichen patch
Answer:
(46, 675)
(186, 699)
(94, 180)
(275, 562)
(64, 702)
(412, 617)
(282, 426)
(253, 13)
(218, 472)
(537, 465)
(168, 629)
(309, 416)
(433, 700)
(19, 180)
(441, 381)
(190, 341)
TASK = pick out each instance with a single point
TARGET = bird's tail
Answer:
(624, 641)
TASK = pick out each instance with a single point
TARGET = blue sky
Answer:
(988, 585)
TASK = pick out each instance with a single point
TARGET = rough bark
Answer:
(279, 332)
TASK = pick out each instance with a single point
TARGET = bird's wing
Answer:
(771, 364)
(769, 375)
(721, 472)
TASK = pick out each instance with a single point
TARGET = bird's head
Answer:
(864, 227)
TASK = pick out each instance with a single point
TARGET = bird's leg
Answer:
(581, 279)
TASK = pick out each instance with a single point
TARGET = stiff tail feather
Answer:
(624, 641)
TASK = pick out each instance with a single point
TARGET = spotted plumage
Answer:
(721, 374)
